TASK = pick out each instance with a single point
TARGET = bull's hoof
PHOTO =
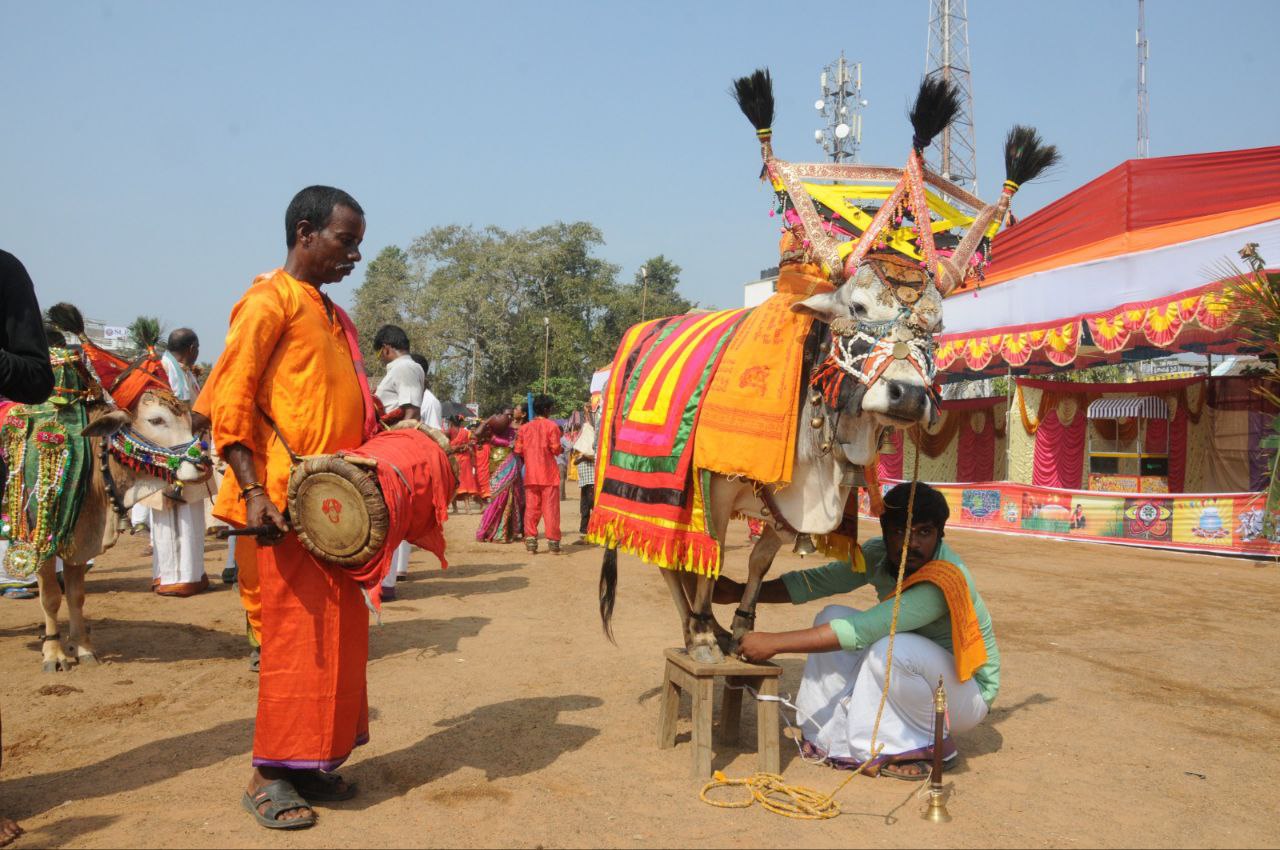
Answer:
(707, 654)
(49, 667)
(88, 659)
(61, 665)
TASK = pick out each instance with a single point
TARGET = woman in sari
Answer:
(503, 518)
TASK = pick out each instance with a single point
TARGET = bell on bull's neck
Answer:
(804, 545)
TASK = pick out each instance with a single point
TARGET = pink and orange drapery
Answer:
(1118, 264)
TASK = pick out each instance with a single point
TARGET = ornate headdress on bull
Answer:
(877, 276)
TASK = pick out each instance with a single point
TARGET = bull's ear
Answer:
(106, 424)
(826, 307)
(199, 423)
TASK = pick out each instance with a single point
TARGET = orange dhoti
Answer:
(313, 707)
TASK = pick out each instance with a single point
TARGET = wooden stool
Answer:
(698, 680)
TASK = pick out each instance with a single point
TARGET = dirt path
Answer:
(1141, 706)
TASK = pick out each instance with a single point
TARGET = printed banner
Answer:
(1224, 523)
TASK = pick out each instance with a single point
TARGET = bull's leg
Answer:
(704, 648)
(678, 595)
(80, 645)
(762, 555)
(690, 583)
(54, 658)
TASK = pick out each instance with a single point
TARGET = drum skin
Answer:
(337, 510)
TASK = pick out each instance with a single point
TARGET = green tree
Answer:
(652, 294)
(488, 306)
(569, 394)
(144, 333)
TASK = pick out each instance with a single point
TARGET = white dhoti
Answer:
(140, 514)
(177, 535)
(399, 564)
(840, 693)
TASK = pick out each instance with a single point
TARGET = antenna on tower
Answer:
(1144, 52)
(841, 104)
(953, 153)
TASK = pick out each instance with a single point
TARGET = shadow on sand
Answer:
(504, 740)
(139, 767)
(425, 638)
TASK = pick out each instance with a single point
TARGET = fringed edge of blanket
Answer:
(694, 552)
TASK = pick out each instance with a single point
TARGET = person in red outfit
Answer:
(538, 443)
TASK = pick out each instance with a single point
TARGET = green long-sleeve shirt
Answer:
(923, 610)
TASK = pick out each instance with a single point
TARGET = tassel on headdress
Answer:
(937, 104)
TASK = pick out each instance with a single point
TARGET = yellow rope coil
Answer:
(798, 801)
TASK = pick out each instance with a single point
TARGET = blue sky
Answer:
(149, 149)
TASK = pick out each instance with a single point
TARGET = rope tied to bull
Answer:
(770, 790)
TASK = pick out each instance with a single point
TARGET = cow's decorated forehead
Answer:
(903, 279)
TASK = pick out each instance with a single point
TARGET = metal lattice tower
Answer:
(954, 153)
(1144, 138)
(841, 105)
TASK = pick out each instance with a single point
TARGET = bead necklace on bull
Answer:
(833, 229)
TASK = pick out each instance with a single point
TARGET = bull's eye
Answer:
(156, 420)
(859, 310)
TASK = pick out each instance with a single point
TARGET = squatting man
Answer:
(845, 672)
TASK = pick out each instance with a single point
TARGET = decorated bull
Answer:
(111, 435)
(776, 412)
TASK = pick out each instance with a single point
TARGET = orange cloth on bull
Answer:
(966, 635)
(287, 355)
(747, 422)
(124, 381)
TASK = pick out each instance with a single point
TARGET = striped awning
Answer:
(1142, 407)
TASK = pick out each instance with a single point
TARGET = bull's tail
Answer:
(608, 590)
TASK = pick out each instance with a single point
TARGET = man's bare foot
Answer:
(912, 771)
(266, 775)
(9, 831)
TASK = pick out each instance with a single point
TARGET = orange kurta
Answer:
(287, 356)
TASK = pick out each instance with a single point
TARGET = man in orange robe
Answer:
(290, 359)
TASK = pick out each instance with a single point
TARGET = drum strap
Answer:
(293, 456)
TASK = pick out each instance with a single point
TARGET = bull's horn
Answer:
(1026, 157)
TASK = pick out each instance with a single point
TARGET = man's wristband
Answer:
(246, 490)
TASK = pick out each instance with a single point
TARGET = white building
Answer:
(757, 292)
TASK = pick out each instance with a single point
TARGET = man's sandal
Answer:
(897, 771)
(320, 787)
(283, 797)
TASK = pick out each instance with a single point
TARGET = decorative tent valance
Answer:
(1141, 407)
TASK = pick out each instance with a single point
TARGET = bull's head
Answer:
(157, 446)
(877, 358)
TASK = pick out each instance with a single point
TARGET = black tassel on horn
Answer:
(66, 317)
(754, 95)
(937, 103)
(1026, 156)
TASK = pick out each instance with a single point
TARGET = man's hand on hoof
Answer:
(757, 647)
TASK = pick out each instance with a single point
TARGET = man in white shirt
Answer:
(401, 391)
(432, 411)
(177, 528)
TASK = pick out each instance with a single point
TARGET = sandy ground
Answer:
(1141, 707)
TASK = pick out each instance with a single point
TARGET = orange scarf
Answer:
(966, 635)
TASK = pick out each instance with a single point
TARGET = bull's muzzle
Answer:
(906, 400)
